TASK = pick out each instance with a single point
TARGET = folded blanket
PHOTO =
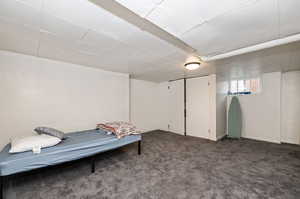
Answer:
(120, 129)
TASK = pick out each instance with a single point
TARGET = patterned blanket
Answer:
(120, 129)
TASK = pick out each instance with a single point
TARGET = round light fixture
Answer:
(192, 65)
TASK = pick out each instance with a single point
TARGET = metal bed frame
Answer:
(5, 179)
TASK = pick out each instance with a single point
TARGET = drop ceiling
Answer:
(81, 32)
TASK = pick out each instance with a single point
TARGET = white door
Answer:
(176, 106)
(290, 108)
(198, 107)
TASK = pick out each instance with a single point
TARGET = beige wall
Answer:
(69, 97)
(147, 109)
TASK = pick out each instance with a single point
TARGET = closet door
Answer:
(198, 107)
(290, 108)
(176, 106)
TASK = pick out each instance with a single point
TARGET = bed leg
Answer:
(2, 187)
(93, 164)
(139, 147)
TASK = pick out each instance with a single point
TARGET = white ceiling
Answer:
(214, 27)
(80, 32)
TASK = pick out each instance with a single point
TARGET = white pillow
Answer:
(33, 143)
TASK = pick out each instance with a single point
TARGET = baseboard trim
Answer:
(263, 140)
(163, 131)
(221, 137)
(151, 131)
(289, 144)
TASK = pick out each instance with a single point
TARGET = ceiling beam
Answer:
(142, 23)
(261, 46)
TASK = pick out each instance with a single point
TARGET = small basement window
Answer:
(245, 86)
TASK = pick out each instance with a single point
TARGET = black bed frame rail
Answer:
(5, 179)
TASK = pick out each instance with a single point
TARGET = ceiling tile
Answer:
(167, 68)
(69, 11)
(160, 76)
(289, 17)
(91, 16)
(36, 4)
(141, 65)
(251, 25)
(146, 41)
(18, 38)
(19, 13)
(171, 17)
(141, 8)
(53, 48)
(149, 47)
(100, 41)
(62, 28)
(110, 59)
(177, 58)
(178, 17)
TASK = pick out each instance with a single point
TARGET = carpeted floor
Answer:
(173, 166)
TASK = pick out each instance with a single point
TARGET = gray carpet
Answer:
(173, 166)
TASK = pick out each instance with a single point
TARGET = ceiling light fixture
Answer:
(192, 65)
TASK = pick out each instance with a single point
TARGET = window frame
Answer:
(244, 92)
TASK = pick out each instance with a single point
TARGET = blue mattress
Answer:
(77, 145)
